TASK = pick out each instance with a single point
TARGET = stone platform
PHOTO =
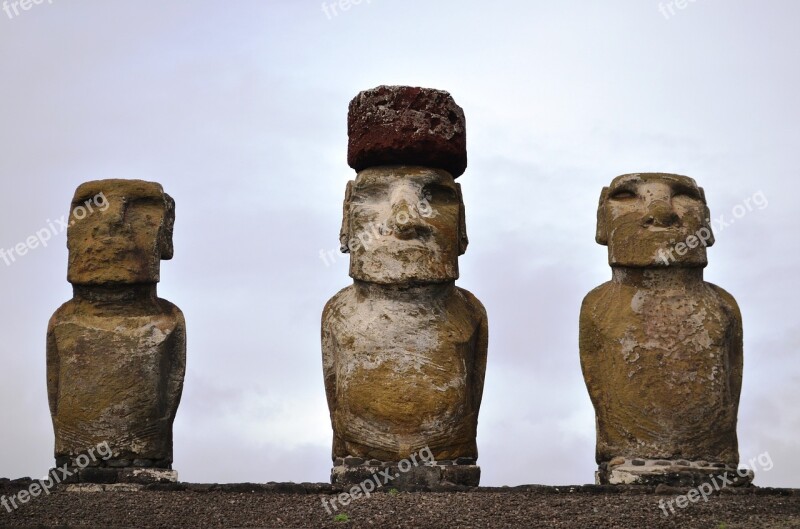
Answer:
(303, 505)
(406, 475)
(674, 473)
(108, 478)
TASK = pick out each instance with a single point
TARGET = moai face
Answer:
(654, 219)
(124, 233)
(403, 225)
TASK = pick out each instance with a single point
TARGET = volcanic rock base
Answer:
(675, 473)
(405, 475)
(118, 476)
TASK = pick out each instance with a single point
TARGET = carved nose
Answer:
(660, 214)
(406, 221)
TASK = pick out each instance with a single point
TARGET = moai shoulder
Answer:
(116, 352)
(404, 349)
(660, 348)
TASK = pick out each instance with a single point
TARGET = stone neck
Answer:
(656, 277)
(404, 292)
(116, 293)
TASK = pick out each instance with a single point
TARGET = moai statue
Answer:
(661, 349)
(116, 352)
(404, 349)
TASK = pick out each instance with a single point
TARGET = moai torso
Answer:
(405, 373)
(116, 352)
(404, 349)
(663, 362)
(660, 348)
(112, 375)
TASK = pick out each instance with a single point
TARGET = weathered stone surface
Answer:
(119, 463)
(427, 477)
(404, 125)
(403, 225)
(404, 362)
(679, 473)
(105, 487)
(98, 475)
(353, 461)
(404, 349)
(109, 475)
(616, 461)
(661, 349)
(123, 238)
(116, 353)
(146, 476)
(407, 384)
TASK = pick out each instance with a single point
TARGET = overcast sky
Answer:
(239, 110)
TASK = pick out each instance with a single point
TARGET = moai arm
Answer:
(329, 356)
(589, 345)
(482, 346)
(735, 340)
(52, 369)
(177, 364)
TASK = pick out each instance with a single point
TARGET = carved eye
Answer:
(686, 192)
(623, 194)
(357, 198)
(368, 193)
(440, 193)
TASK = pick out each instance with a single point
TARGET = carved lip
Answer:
(405, 245)
(677, 230)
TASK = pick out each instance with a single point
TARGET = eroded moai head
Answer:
(116, 353)
(403, 216)
(661, 349)
(643, 217)
(404, 349)
(124, 239)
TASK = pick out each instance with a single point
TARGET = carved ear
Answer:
(706, 219)
(602, 230)
(165, 245)
(344, 231)
(463, 240)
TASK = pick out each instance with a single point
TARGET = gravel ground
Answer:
(275, 506)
